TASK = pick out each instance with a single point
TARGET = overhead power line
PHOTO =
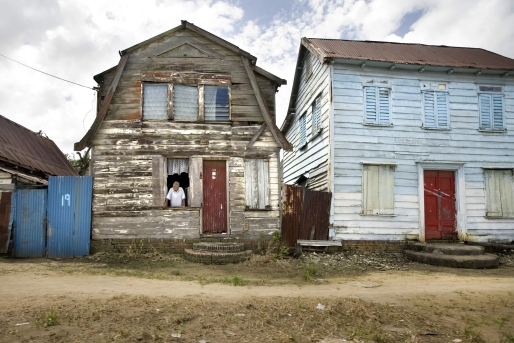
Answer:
(78, 84)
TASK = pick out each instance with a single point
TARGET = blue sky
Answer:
(76, 39)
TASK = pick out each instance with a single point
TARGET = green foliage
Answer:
(49, 318)
(237, 281)
(310, 271)
(507, 338)
(81, 165)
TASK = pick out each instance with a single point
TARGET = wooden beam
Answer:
(268, 118)
(86, 140)
(257, 135)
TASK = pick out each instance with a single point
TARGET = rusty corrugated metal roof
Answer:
(27, 149)
(417, 54)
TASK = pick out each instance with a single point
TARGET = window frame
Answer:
(317, 126)
(378, 86)
(266, 205)
(491, 93)
(200, 83)
(365, 210)
(436, 113)
(504, 192)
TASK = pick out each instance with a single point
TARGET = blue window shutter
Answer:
(383, 106)
(370, 100)
(316, 114)
(442, 109)
(429, 109)
(303, 136)
(484, 105)
(497, 111)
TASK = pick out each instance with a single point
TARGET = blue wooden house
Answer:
(414, 141)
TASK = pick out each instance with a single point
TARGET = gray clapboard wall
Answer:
(406, 142)
(313, 157)
(125, 148)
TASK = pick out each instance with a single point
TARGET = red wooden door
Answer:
(5, 216)
(440, 212)
(214, 197)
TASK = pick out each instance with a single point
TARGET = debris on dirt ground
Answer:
(320, 307)
(364, 284)
(361, 261)
(25, 323)
(456, 340)
(176, 335)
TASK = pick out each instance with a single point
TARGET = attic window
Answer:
(490, 89)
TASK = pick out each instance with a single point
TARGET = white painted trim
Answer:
(394, 164)
(460, 198)
(227, 174)
(331, 158)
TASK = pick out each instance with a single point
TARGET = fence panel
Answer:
(30, 223)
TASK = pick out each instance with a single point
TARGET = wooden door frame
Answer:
(460, 195)
(227, 180)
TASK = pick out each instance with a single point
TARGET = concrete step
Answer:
(447, 248)
(217, 238)
(455, 261)
(219, 246)
(209, 257)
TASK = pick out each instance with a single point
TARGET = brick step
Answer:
(447, 248)
(217, 238)
(455, 261)
(219, 246)
(209, 257)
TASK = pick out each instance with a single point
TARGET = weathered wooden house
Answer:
(191, 107)
(414, 141)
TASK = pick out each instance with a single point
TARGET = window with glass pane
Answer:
(155, 101)
(185, 103)
(216, 103)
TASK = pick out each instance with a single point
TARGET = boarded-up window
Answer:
(158, 180)
(316, 115)
(257, 183)
(435, 110)
(499, 193)
(377, 189)
(155, 101)
(491, 112)
(185, 103)
(302, 124)
(216, 103)
(377, 109)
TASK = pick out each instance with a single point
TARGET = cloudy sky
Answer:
(76, 39)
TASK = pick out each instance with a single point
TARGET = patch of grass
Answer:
(473, 336)
(237, 281)
(175, 272)
(310, 271)
(507, 338)
(49, 318)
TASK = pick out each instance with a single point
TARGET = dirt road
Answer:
(476, 306)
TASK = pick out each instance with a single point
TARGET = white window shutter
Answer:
(257, 183)
(303, 130)
(386, 189)
(442, 109)
(497, 112)
(155, 101)
(195, 181)
(370, 105)
(316, 114)
(384, 106)
(378, 189)
(429, 109)
(185, 103)
(484, 104)
(159, 185)
(506, 192)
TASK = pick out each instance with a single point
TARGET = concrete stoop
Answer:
(451, 255)
(212, 252)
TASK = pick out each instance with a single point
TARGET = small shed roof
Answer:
(24, 148)
(405, 53)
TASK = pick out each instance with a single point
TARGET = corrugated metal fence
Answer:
(53, 222)
(305, 215)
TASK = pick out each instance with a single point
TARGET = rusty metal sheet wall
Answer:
(314, 220)
(291, 211)
(69, 216)
(214, 215)
(30, 223)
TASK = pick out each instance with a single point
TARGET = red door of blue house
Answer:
(440, 210)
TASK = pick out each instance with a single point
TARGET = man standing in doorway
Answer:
(176, 197)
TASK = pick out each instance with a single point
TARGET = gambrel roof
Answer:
(248, 61)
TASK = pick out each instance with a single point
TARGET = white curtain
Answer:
(178, 166)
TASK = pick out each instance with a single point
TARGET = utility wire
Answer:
(93, 88)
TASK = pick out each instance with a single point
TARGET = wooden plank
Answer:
(158, 178)
(86, 140)
(195, 181)
(268, 118)
(257, 135)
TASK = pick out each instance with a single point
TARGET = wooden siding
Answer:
(406, 143)
(314, 155)
(126, 150)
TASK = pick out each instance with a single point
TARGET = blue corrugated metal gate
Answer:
(30, 217)
(54, 222)
(69, 216)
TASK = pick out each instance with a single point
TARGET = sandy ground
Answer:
(460, 305)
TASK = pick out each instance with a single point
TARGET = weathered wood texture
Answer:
(128, 152)
(406, 143)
